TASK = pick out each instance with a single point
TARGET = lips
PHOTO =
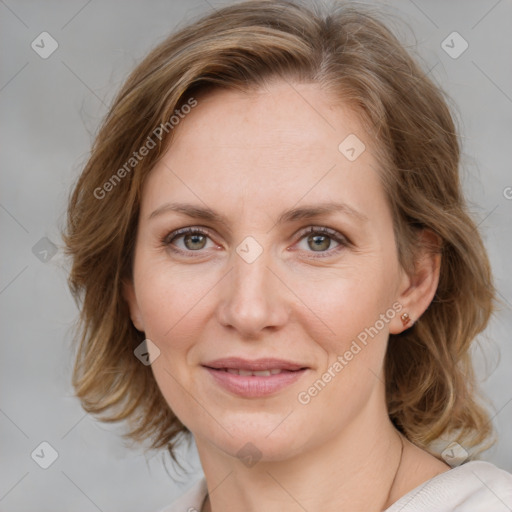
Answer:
(258, 373)
(254, 378)
(256, 365)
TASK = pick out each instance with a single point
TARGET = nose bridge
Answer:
(253, 298)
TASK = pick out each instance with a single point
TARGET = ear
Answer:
(131, 300)
(417, 290)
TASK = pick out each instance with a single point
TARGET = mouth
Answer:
(254, 378)
(254, 373)
(255, 365)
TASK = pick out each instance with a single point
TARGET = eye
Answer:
(188, 240)
(321, 240)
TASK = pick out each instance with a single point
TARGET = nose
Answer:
(253, 299)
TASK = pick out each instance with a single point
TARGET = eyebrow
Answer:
(294, 214)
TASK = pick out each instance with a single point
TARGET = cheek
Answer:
(172, 301)
(346, 302)
(356, 313)
(173, 305)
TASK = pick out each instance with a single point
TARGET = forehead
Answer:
(279, 118)
(279, 141)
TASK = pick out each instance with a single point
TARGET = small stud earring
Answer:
(405, 319)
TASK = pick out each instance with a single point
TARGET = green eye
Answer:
(188, 240)
(319, 242)
(194, 241)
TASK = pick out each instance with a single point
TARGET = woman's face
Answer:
(263, 245)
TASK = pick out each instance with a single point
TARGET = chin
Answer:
(262, 438)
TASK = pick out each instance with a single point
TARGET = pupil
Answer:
(195, 241)
(319, 242)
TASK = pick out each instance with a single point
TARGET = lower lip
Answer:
(254, 386)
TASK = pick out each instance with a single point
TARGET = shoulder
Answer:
(191, 501)
(475, 486)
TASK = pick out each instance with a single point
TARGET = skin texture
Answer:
(250, 157)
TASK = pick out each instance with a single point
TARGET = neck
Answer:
(354, 470)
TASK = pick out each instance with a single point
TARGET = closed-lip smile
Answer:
(254, 378)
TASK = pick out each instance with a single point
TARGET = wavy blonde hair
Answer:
(350, 53)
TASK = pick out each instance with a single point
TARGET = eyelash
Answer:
(320, 230)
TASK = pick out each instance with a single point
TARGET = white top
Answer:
(472, 487)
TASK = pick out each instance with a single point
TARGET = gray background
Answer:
(50, 109)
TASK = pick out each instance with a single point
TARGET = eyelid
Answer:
(324, 230)
(185, 231)
(341, 239)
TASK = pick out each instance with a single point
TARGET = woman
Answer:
(274, 256)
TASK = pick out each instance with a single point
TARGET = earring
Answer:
(405, 319)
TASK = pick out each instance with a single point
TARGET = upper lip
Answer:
(238, 363)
